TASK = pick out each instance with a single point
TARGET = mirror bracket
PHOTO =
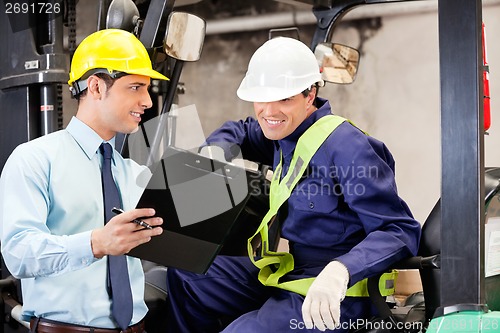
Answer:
(153, 26)
(328, 17)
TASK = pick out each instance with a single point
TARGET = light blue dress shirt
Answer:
(51, 200)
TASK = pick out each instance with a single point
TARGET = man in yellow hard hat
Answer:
(57, 232)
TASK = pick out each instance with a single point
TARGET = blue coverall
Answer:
(346, 208)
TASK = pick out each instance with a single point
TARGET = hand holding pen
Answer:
(136, 221)
(119, 236)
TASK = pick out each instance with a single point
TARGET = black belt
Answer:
(42, 325)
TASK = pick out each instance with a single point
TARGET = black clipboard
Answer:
(199, 200)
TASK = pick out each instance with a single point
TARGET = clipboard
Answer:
(199, 200)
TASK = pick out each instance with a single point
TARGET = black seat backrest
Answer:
(430, 244)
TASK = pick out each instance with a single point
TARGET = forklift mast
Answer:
(33, 68)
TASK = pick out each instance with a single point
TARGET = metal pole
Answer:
(462, 146)
(48, 108)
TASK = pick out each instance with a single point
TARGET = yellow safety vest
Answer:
(274, 265)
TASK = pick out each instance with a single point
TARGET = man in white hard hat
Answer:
(334, 193)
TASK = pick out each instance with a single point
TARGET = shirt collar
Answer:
(86, 137)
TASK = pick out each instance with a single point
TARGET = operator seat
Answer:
(430, 245)
(427, 262)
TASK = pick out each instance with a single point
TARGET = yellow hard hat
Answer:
(114, 50)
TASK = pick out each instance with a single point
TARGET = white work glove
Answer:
(321, 307)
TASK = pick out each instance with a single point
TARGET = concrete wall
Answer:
(395, 97)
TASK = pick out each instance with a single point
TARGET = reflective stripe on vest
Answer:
(274, 265)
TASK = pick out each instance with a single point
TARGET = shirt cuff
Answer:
(80, 250)
(354, 267)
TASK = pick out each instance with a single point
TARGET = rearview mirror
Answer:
(184, 36)
(338, 63)
(122, 14)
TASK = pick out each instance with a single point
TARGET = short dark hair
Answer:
(108, 80)
(307, 91)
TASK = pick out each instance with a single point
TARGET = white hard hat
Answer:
(282, 67)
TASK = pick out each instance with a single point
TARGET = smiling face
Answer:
(281, 118)
(115, 109)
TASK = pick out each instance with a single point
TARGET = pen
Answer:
(139, 222)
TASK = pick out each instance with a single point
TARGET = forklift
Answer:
(32, 81)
